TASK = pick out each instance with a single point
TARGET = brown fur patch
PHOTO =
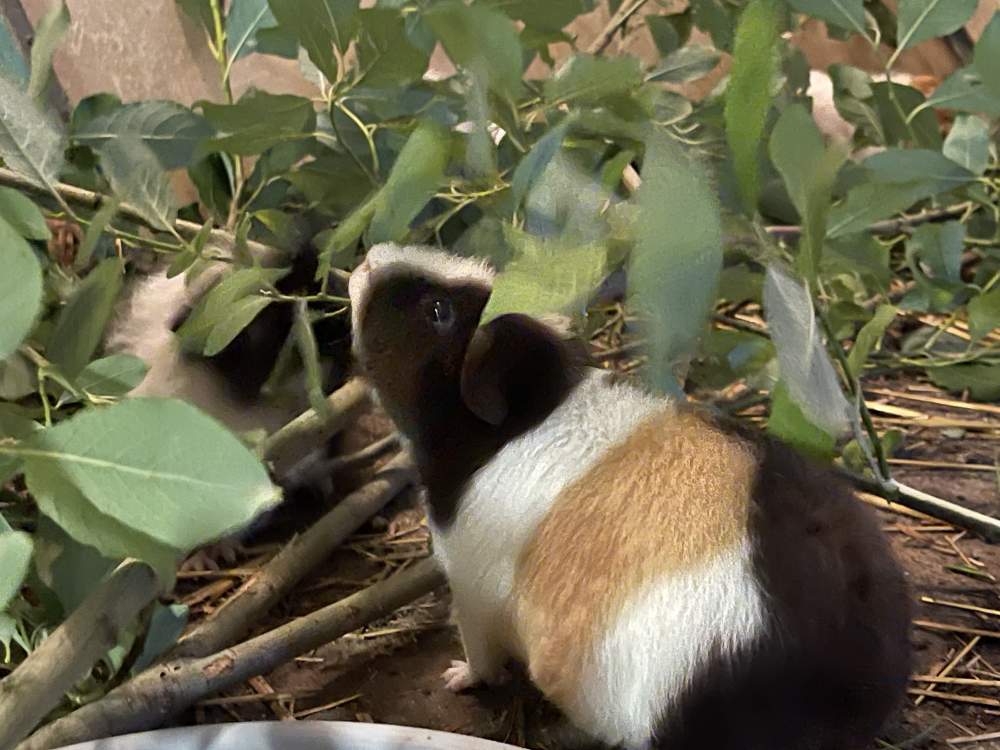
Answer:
(673, 495)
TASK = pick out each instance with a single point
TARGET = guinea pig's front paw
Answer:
(459, 676)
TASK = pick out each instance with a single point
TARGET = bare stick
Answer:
(66, 656)
(315, 467)
(300, 556)
(619, 19)
(163, 691)
(309, 429)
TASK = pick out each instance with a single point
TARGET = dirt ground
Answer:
(390, 672)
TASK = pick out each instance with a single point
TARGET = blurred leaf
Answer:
(901, 123)
(415, 177)
(728, 356)
(685, 64)
(940, 247)
(199, 11)
(23, 216)
(114, 375)
(545, 276)
(986, 58)
(859, 254)
(964, 91)
(982, 381)
(20, 289)
(871, 202)
(320, 26)
(788, 423)
(338, 246)
(984, 313)
(135, 175)
(919, 20)
(740, 283)
(534, 163)
(80, 325)
(809, 170)
(898, 165)
(305, 342)
(13, 426)
(664, 34)
(211, 176)
(99, 222)
(49, 31)
(551, 15)
(748, 96)
(805, 365)
(674, 267)
(17, 376)
(847, 14)
(480, 38)
(68, 568)
(219, 306)
(968, 143)
(868, 337)
(15, 557)
(205, 482)
(586, 79)
(166, 625)
(250, 27)
(30, 142)
(258, 121)
(171, 131)
(386, 54)
(715, 17)
(239, 315)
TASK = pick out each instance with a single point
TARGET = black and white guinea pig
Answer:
(668, 580)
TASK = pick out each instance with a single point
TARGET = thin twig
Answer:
(952, 663)
(163, 691)
(973, 699)
(300, 556)
(961, 605)
(38, 684)
(886, 228)
(946, 628)
(619, 19)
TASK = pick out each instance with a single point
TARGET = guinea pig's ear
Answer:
(512, 363)
(482, 373)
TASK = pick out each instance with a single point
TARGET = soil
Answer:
(390, 672)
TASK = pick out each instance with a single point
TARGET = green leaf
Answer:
(984, 313)
(321, 26)
(48, 33)
(386, 54)
(919, 20)
(530, 168)
(258, 121)
(99, 222)
(30, 142)
(546, 276)
(871, 202)
(244, 22)
(940, 247)
(68, 568)
(899, 165)
(23, 216)
(479, 38)
(748, 96)
(166, 626)
(199, 11)
(868, 337)
(240, 314)
(968, 143)
(80, 326)
(17, 377)
(982, 381)
(216, 307)
(20, 289)
(809, 170)
(904, 116)
(114, 375)
(171, 131)
(551, 15)
(986, 59)
(415, 177)
(112, 482)
(685, 64)
(15, 557)
(846, 14)
(664, 34)
(135, 175)
(674, 268)
(305, 342)
(788, 423)
(965, 91)
(802, 358)
(338, 245)
(715, 17)
(587, 79)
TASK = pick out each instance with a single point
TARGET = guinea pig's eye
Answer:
(442, 315)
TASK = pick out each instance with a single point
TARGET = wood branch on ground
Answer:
(299, 557)
(163, 691)
(64, 658)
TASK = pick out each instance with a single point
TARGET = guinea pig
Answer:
(667, 579)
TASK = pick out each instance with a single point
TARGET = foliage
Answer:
(489, 161)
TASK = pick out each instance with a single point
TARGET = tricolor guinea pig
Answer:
(668, 580)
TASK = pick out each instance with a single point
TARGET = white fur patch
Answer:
(508, 498)
(661, 639)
